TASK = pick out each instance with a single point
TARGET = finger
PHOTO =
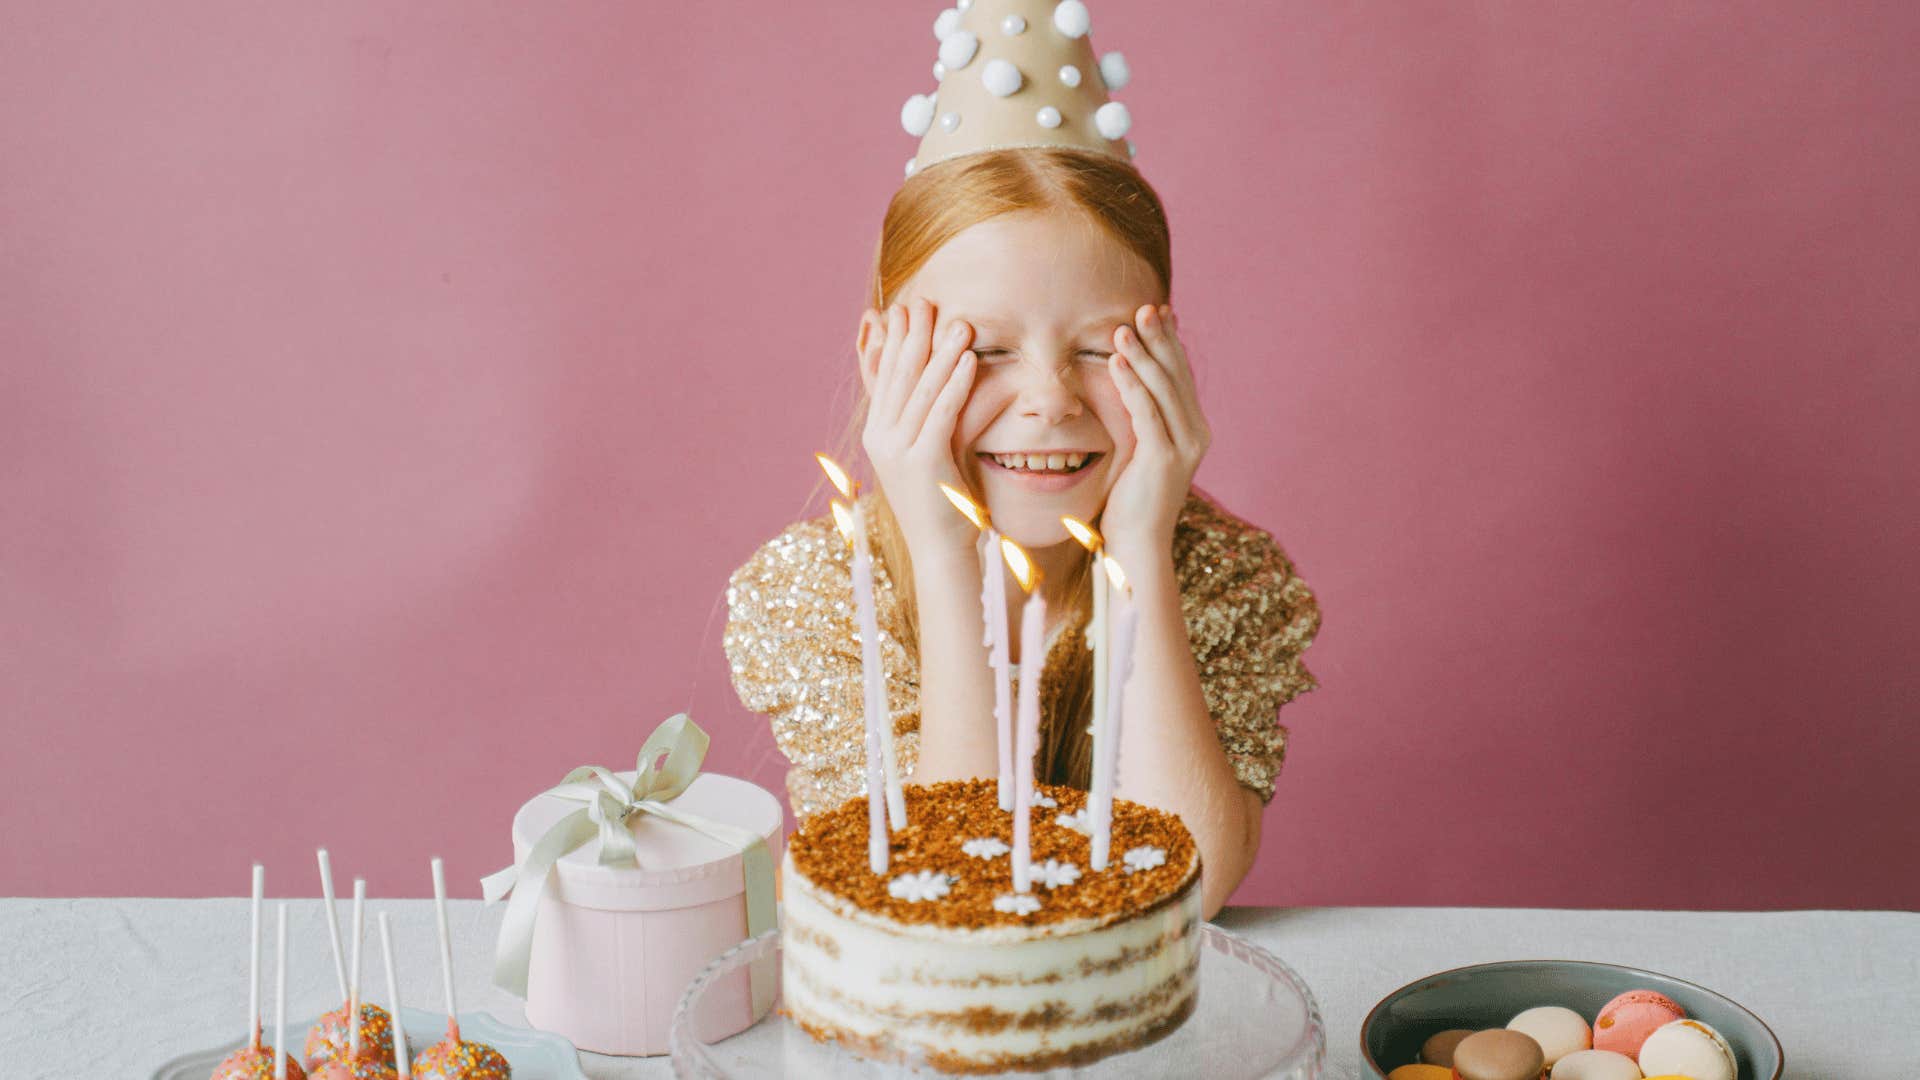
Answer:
(1162, 338)
(888, 394)
(915, 346)
(945, 412)
(1149, 430)
(1183, 406)
(1149, 372)
(946, 354)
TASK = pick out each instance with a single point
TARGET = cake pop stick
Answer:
(446, 947)
(353, 981)
(280, 998)
(393, 998)
(333, 922)
(253, 960)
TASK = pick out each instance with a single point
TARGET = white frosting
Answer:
(1079, 821)
(861, 973)
(919, 886)
(986, 847)
(1144, 857)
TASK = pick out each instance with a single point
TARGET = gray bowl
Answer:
(1488, 995)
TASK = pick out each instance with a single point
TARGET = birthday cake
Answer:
(941, 961)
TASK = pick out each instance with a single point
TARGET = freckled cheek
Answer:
(976, 416)
(1103, 398)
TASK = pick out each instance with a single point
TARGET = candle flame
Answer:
(965, 504)
(1114, 573)
(1027, 574)
(1082, 532)
(838, 475)
(843, 519)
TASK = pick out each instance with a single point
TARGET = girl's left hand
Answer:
(1170, 434)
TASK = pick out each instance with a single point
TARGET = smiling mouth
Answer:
(1051, 464)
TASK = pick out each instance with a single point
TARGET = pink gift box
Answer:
(613, 947)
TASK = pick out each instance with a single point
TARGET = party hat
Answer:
(1017, 73)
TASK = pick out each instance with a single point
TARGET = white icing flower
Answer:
(957, 49)
(1145, 857)
(1113, 120)
(1053, 873)
(1044, 800)
(1070, 18)
(1016, 903)
(986, 847)
(1001, 78)
(1079, 821)
(1115, 72)
(920, 885)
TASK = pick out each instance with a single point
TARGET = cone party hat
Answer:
(1017, 73)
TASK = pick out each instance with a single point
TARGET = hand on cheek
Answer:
(1169, 432)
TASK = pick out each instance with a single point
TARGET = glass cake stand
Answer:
(1254, 1018)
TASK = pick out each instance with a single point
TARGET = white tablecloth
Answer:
(113, 988)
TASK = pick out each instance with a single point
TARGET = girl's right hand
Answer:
(915, 388)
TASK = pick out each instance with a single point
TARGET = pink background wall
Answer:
(388, 390)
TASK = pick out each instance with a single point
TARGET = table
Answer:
(114, 987)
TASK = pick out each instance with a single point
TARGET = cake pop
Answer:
(253, 1061)
(329, 1036)
(455, 1058)
(360, 1062)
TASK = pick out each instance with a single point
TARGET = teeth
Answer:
(1041, 462)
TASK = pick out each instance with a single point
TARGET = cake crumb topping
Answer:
(945, 823)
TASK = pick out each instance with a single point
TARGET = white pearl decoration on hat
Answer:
(1001, 78)
(917, 114)
(963, 4)
(1115, 72)
(912, 164)
(1013, 26)
(947, 23)
(1070, 18)
(1113, 120)
(1049, 117)
(1132, 150)
(950, 122)
(939, 71)
(1069, 75)
(957, 49)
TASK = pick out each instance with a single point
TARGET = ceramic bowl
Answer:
(1488, 995)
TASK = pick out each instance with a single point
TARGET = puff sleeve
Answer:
(1249, 618)
(794, 653)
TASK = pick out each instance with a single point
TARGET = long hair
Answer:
(932, 207)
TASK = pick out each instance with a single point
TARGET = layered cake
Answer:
(940, 961)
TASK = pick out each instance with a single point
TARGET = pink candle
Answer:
(1033, 648)
(993, 605)
(1107, 748)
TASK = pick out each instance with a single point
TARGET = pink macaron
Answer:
(1624, 1023)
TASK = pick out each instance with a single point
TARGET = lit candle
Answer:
(1033, 622)
(1107, 749)
(1101, 781)
(872, 672)
(876, 773)
(993, 610)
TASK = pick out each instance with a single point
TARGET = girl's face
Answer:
(1043, 433)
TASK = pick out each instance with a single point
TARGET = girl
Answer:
(1021, 347)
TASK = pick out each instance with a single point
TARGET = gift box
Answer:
(605, 938)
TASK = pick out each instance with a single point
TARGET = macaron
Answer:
(1438, 1049)
(1559, 1030)
(1596, 1065)
(1498, 1054)
(1625, 1022)
(1688, 1048)
(1421, 1072)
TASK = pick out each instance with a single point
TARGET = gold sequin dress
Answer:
(795, 654)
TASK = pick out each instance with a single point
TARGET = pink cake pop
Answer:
(330, 1035)
(454, 1058)
(253, 1061)
(361, 1062)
